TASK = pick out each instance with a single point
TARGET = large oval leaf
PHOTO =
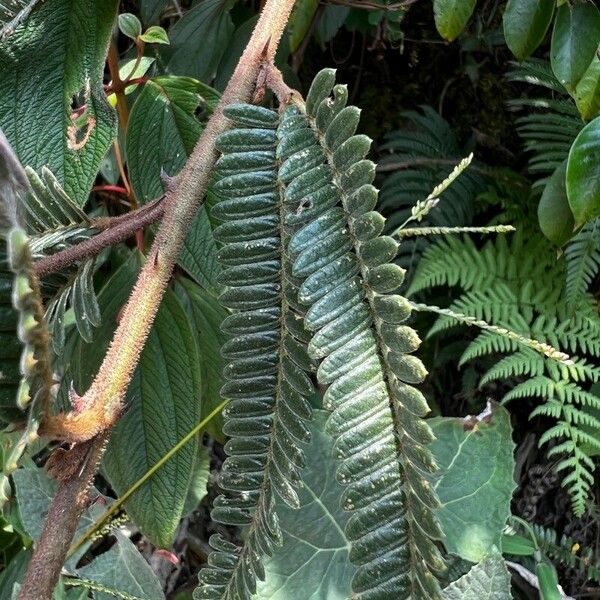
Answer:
(313, 562)
(583, 173)
(476, 464)
(163, 118)
(200, 39)
(163, 405)
(587, 92)
(525, 25)
(575, 40)
(554, 213)
(452, 16)
(54, 62)
(488, 580)
(206, 315)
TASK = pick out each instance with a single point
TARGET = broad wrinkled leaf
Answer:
(163, 119)
(200, 39)
(452, 16)
(163, 405)
(313, 562)
(525, 25)
(488, 580)
(124, 570)
(48, 69)
(554, 213)
(575, 40)
(476, 467)
(199, 481)
(583, 174)
(206, 315)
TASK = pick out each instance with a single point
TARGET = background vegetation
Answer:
(509, 319)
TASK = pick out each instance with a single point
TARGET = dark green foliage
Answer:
(519, 286)
(266, 380)
(376, 421)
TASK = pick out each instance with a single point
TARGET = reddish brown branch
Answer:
(115, 230)
(71, 499)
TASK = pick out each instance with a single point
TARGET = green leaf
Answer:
(554, 213)
(300, 21)
(150, 10)
(474, 481)
(199, 482)
(155, 35)
(452, 16)
(575, 40)
(163, 405)
(525, 25)
(313, 562)
(162, 118)
(130, 25)
(206, 316)
(200, 38)
(583, 173)
(330, 22)
(199, 253)
(488, 580)
(587, 92)
(123, 569)
(44, 67)
(34, 491)
(13, 573)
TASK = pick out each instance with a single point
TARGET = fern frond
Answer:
(549, 131)
(569, 552)
(582, 256)
(267, 382)
(365, 351)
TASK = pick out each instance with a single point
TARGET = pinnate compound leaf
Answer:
(488, 580)
(164, 404)
(525, 25)
(452, 16)
(57, 57)
(583, 174)
(200, 39)
(313, 562)
(124, 570)
(474, 481)
(575, 39)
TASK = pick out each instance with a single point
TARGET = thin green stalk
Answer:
(116, 505)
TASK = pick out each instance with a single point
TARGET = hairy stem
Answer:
(108, 389)
(103, 401)
(61, 523)
(115, 230)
